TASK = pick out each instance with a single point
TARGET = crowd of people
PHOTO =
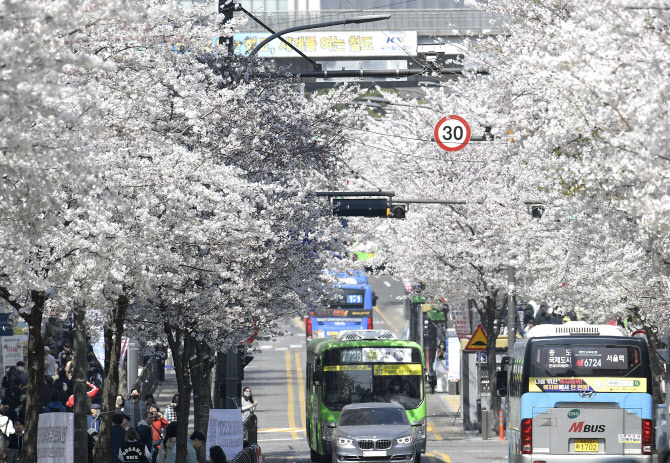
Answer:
(140, 432)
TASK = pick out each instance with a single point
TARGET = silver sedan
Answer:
(374, 432)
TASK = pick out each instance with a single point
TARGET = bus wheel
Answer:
(314, 456)
(326, 458)
(417, 459)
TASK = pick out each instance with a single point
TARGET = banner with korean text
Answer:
(348, 44)
(55, 438)
(225, 430)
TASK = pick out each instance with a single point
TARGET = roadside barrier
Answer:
(250, 426)
(251, 454)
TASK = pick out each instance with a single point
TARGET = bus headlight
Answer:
(404, 440)
(345, 442)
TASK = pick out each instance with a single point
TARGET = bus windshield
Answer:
(373, 374)
(565, 360)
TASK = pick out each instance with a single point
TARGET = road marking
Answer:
(282, 348)
(266, 346)
(289, 381)
(281, 430)
(445, 457)
(388, 285)
(296, 346)
(432, 429)
(388, 322)
(301, 389)
(431, 457)
(453, 402)
(277, 440)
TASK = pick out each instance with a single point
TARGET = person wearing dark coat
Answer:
(118, 436)
(144, 432)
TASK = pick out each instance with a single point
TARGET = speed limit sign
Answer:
(452, 133)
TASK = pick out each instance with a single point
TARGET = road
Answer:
(276, 377)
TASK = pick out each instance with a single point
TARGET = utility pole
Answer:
(511, 309)
(79, 386)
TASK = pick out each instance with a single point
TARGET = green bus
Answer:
(361, 367)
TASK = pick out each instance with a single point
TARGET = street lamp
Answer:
(354, 20)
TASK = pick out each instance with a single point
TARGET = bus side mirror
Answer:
(501, 383)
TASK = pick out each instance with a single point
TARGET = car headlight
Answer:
(345, 442)
(404, 440)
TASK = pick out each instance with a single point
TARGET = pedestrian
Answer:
(171, 410)
(15, 442)
(92, 392)
(217, 455)
(65, 355)
(169, 442)
(248, 403)
(49, 363)
(119, 404)
(118, 436)
(6, 427)
(144, 430)
(149, 400)
(133, 450)
(55, 404)
(198, 441)
(158, 423)
(135, 408)
(21, 372)
(529, 324)
(93, 420)
(8, 379)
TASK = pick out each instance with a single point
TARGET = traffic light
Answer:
(397, 211)
(536, 210)
(360, 207)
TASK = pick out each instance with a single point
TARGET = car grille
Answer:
(383, 444)
(369, 444)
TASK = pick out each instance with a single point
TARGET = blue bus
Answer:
(578, 393)
(350, 310)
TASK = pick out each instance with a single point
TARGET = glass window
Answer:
(586, 360)
(373, 417)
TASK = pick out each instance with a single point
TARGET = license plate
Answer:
(586, 445)
(374, 453)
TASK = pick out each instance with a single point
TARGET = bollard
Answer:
(485, 424)
(502, 432)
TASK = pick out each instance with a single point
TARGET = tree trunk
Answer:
(35, 375)
(181, 345)
(201, 378)
(113, 333)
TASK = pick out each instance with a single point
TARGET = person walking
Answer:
(248, 403)
(15, 442)
(171, 410)
(158, 423)
(91, 393)
(135, 409)
(49, 362)
(133, 450)
(144, 430)
(93, 420)
(55, 404)
(118, 436)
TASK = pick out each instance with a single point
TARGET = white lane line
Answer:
(388, 285)
(267, 346)
(296, 346)
(281, 348)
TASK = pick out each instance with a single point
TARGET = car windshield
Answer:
(373, 417)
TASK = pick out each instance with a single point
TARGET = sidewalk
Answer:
(165, 391)
(444, 419)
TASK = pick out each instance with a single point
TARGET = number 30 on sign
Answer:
(452, 133)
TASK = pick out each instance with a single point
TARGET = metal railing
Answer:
(455, 22)
(247, 455)
(251, 430)
(147, 381)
